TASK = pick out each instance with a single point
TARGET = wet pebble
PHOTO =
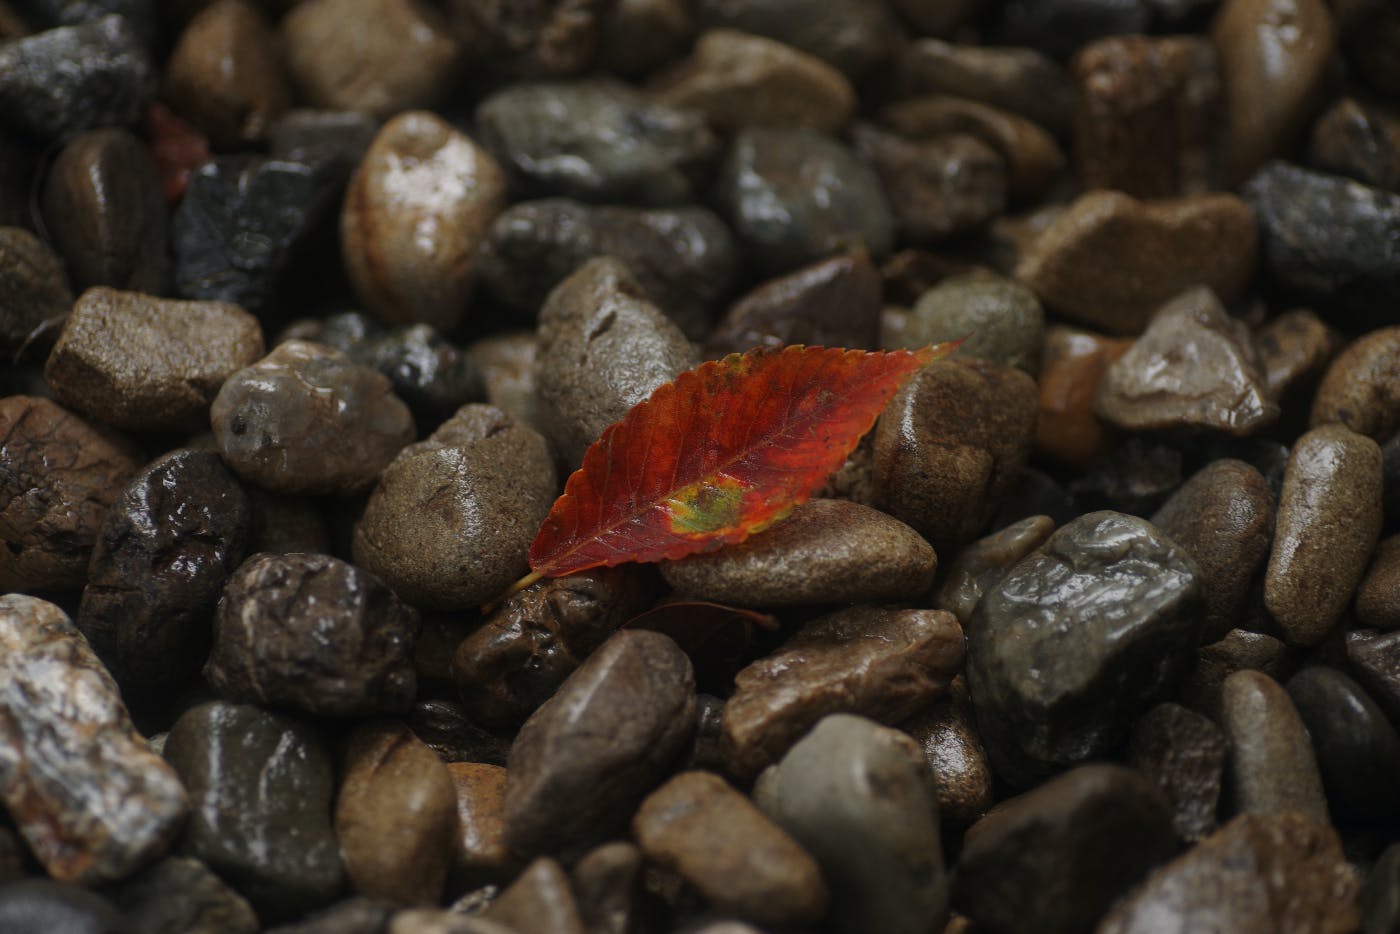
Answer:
(1378, 596)
(1017, 871)
(1224, 518)
(1361, 389)
(450, 733)
(34, 295)
(1183, 754)
(997, 319)
(951, 444)
(738, 80)
(179, 895)
(395, 815)
(586, 758)
(603, 347)
(685, 258)
(225, 74)
(306, 419)
(1328, 238)
(144, 363)
(479, 852)
(73, 78)
(58, 476)
(548, 39)
(877, 663)
(477, 489)
(937, 188)
(1293, 350)
(1357, 748)
(1239, 650)
(853, 35)
(830, 303)
(947, 734)
(740, 861)
(1358, 138)
(1020, 80)
(418, 207)
(91, 800)
(616, 146)
(236, 232)
(1059, 27)
(1272, 766)
(314, 633)
(871, 824)
(167, 545)
(42, 906)
(1380, 899)
(827, 551)
(1120, 603)
(409, 59)
(508, 364)
(1193, 368)
(104, 210)
(638, 36)
(1274, 57)
(794, 196)
(261, 788)
(1073, 362)
(1259, 874)
(1329, 520)
(539, 901)
(1110, 260)
(980, 565)
(525, 649)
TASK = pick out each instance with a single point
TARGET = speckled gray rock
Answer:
(477, 490)
(525, 649)
(878, 663)
(1121, 605)
(168, 543)
(314, 633)
(1110, 260)
(615, 146)
(1020, 80)
(1224, 518)
(395, 815)
(261, 787)
(685, 258)
(1357, 749)
(1001, 320)
(92, 801)
(58, 476)
(1054, 859)
(104, 210)
(34, 294)
(604, 347)
(950, 446)
(1329, 520)
(739, 80)
(794, 196)
(139, 362)
(585, 759)
(984, 562)
(179, 895)
(417, 209)
(831, 303)
(853, 35)
(1272, 766)
(871, 824)
(1361, 388)
(304, 419)
(1328, 238)
(1193, 368)
(741, 861)
(74, 78)
(1259, 874)
(1183, 753)
(827, 551)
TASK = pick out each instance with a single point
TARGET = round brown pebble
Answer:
(1361, 388)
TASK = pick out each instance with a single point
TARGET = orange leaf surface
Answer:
(724, 451)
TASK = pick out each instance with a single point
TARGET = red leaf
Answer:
(177, 148)
(723, 452)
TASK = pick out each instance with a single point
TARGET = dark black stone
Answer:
(1328, 239)
(1358, 751)
(854, 35)
(1137, 478)
(46, 14)
(41, 906)
(337, 137)
(353, 916)
(1380, 899)
(239, 225)
(1183, 754)
(63, 81)
(1060, 27)
(1374, 657)
(446, 729)
(166, 547)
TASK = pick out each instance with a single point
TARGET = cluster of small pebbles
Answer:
(309, 307)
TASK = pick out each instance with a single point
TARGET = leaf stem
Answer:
(514, 588)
